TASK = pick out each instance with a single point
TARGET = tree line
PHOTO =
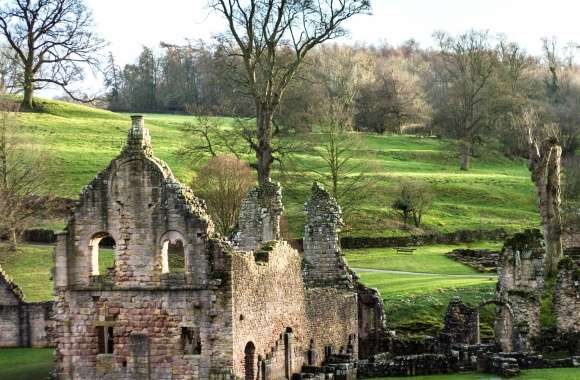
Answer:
(469, 87)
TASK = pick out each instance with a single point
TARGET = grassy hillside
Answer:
(496, 193)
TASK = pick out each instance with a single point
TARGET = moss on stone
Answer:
(547, 315)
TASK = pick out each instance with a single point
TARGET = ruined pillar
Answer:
(461, 324)
(520, 287)
(567, 296)
(259, 220)
(324, 265)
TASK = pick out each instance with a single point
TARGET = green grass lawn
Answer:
(425, 259)
(415, 304)
(497, 192)
(30, 268)
(26, 363)
(534, 374)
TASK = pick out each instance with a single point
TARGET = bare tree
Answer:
(273, 37)
(23, 179)
(207, 138)
(348, 178)
(52, 39)
(223, 183)
(470, 62)
(545, 156)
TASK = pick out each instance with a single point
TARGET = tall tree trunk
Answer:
(264, 150)
(550, 212)
(12, 239)
(27, 101)
(465, 148)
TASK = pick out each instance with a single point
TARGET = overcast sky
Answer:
(130, 24)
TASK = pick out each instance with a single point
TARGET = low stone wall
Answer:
(462, 236)
(411, 365)
(482, 260)
(26, 325)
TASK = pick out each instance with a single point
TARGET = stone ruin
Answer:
(567, 295)
(22, 324)
(179, 302)
(519, 338)
(461, 324)
(520, 288)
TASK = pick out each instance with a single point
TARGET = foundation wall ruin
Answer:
(520, 286)
(22, 324)
(567, 296)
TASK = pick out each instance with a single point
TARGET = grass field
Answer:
(415, 304)
(25, 363)
(496, 193)
(426, 259)
(30, 268)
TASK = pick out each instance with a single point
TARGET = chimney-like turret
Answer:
(138, 140)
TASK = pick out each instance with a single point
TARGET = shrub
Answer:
(413, 201)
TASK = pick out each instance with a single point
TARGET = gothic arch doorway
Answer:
(249, 361)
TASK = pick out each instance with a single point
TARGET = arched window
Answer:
(249, 361)
(172, 253)
(102, 253)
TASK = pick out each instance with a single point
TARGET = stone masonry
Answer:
(224, 311)
(324, 263)
(567, 295)
(461, 324)
(22, 324)
(260, 213)
(520, 285)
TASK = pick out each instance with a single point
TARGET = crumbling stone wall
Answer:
(373, 338)
(324, 264)
(520, 285)
(225, 314)
(461, 324)
(259, 220)
(137, 201)
(22, 324)
(288, 324)
(269, 299)
(567, 297)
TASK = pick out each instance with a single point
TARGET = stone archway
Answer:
(504, 331)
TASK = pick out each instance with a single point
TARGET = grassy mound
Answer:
(496, 193)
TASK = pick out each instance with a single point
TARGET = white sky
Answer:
(130, 24)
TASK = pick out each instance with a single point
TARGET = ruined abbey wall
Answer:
(177, 302)
(288, 324)
(141, 318)
(269, 302)
(520, 286)
(22, 324)
(567, 297)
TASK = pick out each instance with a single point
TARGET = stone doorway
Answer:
(249, 360)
